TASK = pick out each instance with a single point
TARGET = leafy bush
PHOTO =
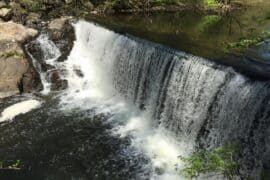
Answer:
(253, 40)
(221, 160)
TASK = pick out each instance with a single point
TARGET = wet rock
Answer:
(5, 13)
(62, 33)
(57, 82)
(46, 67)
(14, 65)
(30, 81)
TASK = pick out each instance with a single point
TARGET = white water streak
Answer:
(19, 108)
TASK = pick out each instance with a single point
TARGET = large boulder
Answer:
(62, 33)
(15, 68)
(10, 31)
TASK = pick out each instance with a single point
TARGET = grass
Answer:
(221, 161)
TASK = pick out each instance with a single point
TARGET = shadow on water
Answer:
(53, 144)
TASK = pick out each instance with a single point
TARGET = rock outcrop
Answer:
(16, 73)
(61, 32)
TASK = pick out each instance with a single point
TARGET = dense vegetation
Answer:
(220, 161)
(116, 5)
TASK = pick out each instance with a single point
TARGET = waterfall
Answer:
(195, 102)
(45, 53)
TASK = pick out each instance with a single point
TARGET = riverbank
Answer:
(30, 11)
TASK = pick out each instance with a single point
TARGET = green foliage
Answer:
(32, 5)
(253, 40)
(12, 165)
(212, 3)
(221, 160)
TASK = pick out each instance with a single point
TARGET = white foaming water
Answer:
(159, 145)
(19, 108)
(50, 53)
(186, 100)
(89, 74)
(88, 77)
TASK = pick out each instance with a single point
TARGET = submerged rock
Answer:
(16, 72)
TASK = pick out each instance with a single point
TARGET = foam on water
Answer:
(94, 88)
(49, 54)
(19, 108)
(158, 144)
(167, 101)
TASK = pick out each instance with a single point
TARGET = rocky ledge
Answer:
(61, 32)
(17, 74)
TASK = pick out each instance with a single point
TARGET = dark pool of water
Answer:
(53, 144)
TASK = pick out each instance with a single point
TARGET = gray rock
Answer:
(62, 33)
(11, 31)
(13, 64)
(15, 68)
(5, 13)
(57, 82)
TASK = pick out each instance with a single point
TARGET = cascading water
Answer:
(156, 104)
(48, 54)
(199, 103)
